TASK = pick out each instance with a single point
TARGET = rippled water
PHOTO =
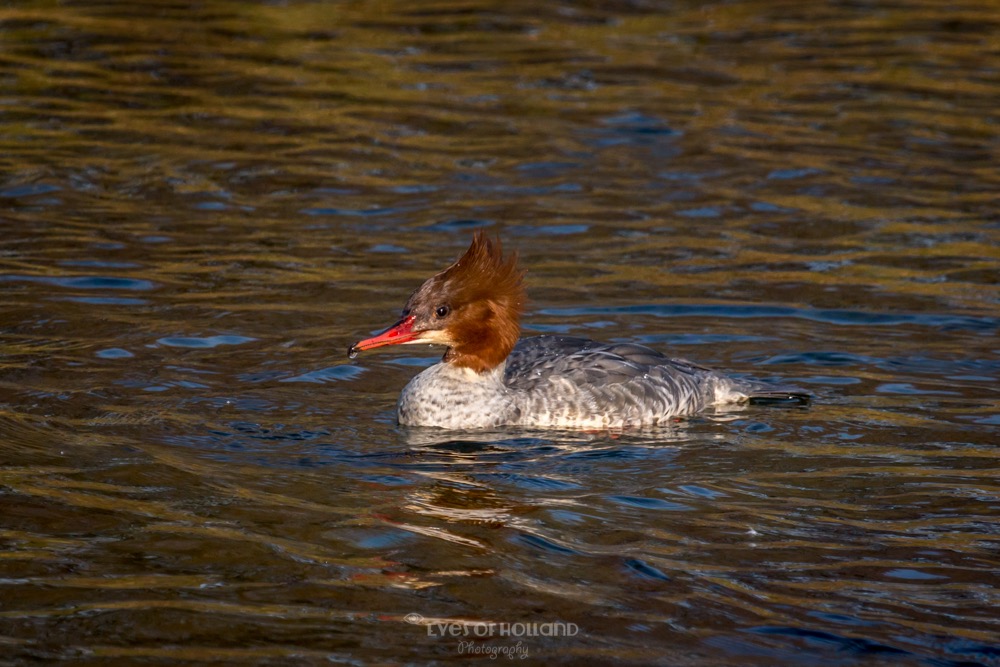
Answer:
(203, 204)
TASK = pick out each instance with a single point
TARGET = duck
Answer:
(489, 376)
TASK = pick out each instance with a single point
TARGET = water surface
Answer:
(203, 204)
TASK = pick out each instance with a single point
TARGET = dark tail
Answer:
(764, 394)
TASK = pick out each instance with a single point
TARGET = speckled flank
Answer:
(560, 381)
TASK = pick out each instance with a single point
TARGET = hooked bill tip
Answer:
(352, 352)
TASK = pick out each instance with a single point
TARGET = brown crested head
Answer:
(473, 307)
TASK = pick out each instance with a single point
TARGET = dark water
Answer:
(203, 204)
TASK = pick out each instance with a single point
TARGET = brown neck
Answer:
(485, 336)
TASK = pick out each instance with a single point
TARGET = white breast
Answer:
(456, 398)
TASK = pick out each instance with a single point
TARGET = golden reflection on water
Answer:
(203, 204)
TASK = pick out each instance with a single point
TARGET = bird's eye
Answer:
(442, 311)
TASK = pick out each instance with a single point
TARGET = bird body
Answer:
(489, 378)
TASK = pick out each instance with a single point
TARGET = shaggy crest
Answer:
(487, 291)
(484, 273)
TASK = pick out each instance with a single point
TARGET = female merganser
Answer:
(489, 378)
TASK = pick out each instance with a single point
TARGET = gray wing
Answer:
(622, 381)
(586, 361)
